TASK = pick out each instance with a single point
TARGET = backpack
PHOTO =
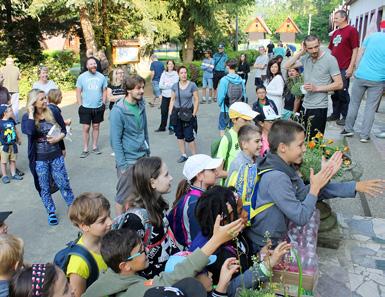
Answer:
(246, 182)
(234, 93)
(215, 147)
(63, 256)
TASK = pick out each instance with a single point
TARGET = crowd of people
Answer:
(211, 241)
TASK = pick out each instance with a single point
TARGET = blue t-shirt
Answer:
(158, 69)
(4, 288)
(372, 64)
(220, 60)
(92, 86)
(7, 132)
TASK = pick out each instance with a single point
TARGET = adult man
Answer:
(220, 59)
(270, 48)
(90, 53)
(261, 65)
(11, 75)
(279, 50)
(343, 45)
(91, 94)
(370, 77)
(231, 85)
(157, 69)
(128, 136)
(321, 75)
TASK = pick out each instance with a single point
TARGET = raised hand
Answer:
(319, 180)
(229, 267)
(228, 232)
(276, 255)
(334, 162)
(371, 187)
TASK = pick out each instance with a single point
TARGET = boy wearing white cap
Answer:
(240, 114)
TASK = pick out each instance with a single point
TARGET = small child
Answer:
(9, 139)
(207, 79)
(266, 126)
(54, 99)
(46, 280)
(229, 267)
(125, 255)
(90, 212)
(263, 105)
(3, 226)
(11, 258)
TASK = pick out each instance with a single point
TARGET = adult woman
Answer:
(243, 67)
(44, 83)
(275, 84)
(115, 90)
(40, 280)
(167, 80)
(147, 212)
(184, 108)
(44, 151)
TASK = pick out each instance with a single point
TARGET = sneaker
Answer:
(380, 135)
(113, 154)
(346, 133)
(341, 122)
(5, 179)
(203, 101)
(332, 118)
(365, 140)
(84, 154)
(17, 177)
(182, 159)
(160, 130)
(96, 151)
(19, 172)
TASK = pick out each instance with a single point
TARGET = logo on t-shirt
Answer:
(337, 40)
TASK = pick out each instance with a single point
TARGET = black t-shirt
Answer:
(44, 150)
(270, 47)
(116, 91)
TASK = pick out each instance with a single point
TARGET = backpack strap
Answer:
(82, 252)
(230, 144)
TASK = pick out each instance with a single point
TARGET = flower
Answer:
(330, 141)
(311, 144)
(327, 152)
(319, 135)
(346, 149)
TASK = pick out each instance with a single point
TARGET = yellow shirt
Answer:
(78, 266)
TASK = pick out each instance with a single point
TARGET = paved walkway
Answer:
(97, 173)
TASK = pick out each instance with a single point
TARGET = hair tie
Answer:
(38, 275)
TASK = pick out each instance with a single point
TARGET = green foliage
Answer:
(250, 54)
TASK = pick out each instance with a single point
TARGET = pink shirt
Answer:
(265, 145)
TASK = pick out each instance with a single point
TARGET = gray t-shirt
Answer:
(186, 95)
(262, 59)
(318, 73)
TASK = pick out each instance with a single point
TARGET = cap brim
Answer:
(212, 259)
(248, 116)
(214, 163)
(4, 215)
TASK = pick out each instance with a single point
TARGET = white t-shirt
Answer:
(49, 85)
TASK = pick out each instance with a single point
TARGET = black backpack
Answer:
(234, 93)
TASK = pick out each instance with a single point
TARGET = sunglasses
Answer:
(136, 255)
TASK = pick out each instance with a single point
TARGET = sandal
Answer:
(52, 219)
(5, 179)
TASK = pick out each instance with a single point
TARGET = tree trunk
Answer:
(88, 30)
(188, 49)
(106, 31)
(8, 10)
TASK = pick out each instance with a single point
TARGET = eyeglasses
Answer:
(136, 255)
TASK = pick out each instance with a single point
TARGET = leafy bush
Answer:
(250, 54)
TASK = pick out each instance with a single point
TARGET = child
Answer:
(290, 198)
(250, 142)
(229, 267)
(240, 114)
(3, 226)
(263, 105)
(266, 126)
(54, 99)
(9, 138)
(292, 101)
(125, 255)
(207, 80)
(200, 172)
(90, 212)
(45, 280)
(11, 258)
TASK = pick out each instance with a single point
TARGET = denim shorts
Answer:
(207, 82)
(155, 88)
(224, 121)
(185, 130)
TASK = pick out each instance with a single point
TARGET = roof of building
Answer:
(258, 25)
(288, 26)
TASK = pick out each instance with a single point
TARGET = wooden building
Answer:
(257, 29)
(287, 31)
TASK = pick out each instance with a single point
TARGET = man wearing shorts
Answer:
(128, 137)
(91, 94)
(220, 59)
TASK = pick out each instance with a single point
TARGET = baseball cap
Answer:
(221, 45)
(180, 257)
(242, 110)
(3, 109)
(4, 215)
(199, 162)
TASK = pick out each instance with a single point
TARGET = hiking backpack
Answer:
(63, 256)
(234, 93)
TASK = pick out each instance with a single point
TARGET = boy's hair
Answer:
(53, 96)
(260, 87)
(246, 132)
(87, 208)
(11, 252)
(132, 81)
(283, 131)
(117, 245)
(232, 64)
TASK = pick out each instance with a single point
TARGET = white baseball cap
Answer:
(242, 110)
(198, 163)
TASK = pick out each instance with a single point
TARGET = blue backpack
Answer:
(63, 256)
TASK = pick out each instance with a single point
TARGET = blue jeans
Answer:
(56, 168)
(155, 88)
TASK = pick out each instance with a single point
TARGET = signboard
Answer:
(125, 51)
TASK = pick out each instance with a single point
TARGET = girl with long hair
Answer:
(45, 131)
(44, 83)
(243, 68)
(275, 84)
(147, 213)
(115, 89)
